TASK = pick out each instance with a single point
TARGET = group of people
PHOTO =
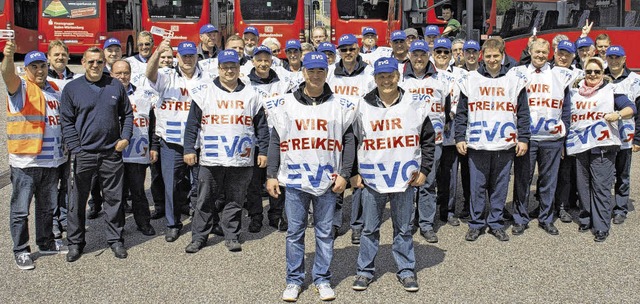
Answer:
(217, 127)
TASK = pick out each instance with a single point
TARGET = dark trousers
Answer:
(623, 182)
(134, 175)
(214, 182)
(254, 197)
(157, 186)
(489, 172)
(96, 194)
(566, 192)
(109, 171)
(595, 175)
(176, 178)
(60, 212)
(447, 181)
(547, 154)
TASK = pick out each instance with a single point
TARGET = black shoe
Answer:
(453, 221)
(549, 228)
(194, 247)
(283, 225)
(255, 225)
(185, 210)
(147, 230)
(74, 254)
(119, 251)
(361, 283)
(172, 234)
(355, 236)
(157, 214)
(335, 232)
(409, 283)
(217, 230)
(619, 219)
(93, 213)
(465, 215)
(584, 227)
(429, 235)
(233, 245)
(273, 222)
(600, 236)
(565, 216)
(519, 229)
(127, 207)
(472, 235)
(500, 235)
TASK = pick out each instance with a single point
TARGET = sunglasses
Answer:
(344, 50)
(596, 72)
(92, 62)
(440, 52)
(144, 44)
(275, 51)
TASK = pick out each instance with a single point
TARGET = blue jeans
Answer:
(296, 207)
(401, 216)
(356, 210)
(623, 182)
(175, 173)
(426, 201)
(27, 183)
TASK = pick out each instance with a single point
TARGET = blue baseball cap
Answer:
(251, 30)
(315, 60)
(110, 42)
(347, 39)
(567, 46)
(615, 50)
(327, 46)
(471, 44)
(398, 35)
(584, 42)
(34, 56)
(228, 56)
(385, 65)
(369, 30)
(208, 28)
(187, 48)
(432, 30)
(419, 45)
(442, 43)
(293, 44)
(261, 49)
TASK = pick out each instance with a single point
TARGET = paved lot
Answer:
(534, 267)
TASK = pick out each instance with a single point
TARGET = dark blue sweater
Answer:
(95, 115)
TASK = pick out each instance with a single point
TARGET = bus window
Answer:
(119, 16)
(2, 6)
(24, 13)
(269, 10)
(363, 9)
(165, 9)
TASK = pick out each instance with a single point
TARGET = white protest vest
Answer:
(588, 128)
(357, 86)
(310, 140)
(448, 134)
(227, 134)
(269, 91)
(389, 151)
(433, 91)
(492, 109)
(173, 105)
(142, 101)
(53, 153)
(630, 86)
(545, 96)
(137, 66)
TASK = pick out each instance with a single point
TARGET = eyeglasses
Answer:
(277, 51)
(92, 62)
(344, 50)
(440, 52)
(144, 44)
(596, 72)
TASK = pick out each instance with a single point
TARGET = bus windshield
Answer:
(171, 9)
(362, 9)
(273, 11)
(2, 6)
(70, 9)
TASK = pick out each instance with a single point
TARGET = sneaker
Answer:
(361, 283)
(233, 245)
(565, 216)
(24, 261)
(429, 235)
(409, 283)
(55, 247)
(326, 292)
(290, 294)
(194, 247)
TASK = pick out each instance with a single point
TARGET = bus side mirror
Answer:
(316, 5)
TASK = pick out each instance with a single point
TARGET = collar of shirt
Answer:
(218, 84)
(340, 70)
(532, 69)
(131, 89)
(482, 70)
(373, 98)
(625, 74)
(197, 74)
(303, 98)
(140, 58)
(273, 77)
(409, 73)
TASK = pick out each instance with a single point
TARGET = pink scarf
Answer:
(588, 91)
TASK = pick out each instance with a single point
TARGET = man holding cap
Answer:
(431, 33)
(112, 52)
(171, 113)
(399, 48)
(250, 37)
(34, 142)
(311, 153)
(225, 169)
(207, 48)
(329, 50)
(369, 40)
(410, 115)
(471, 50)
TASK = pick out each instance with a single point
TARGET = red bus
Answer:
(350, 16)
(85, 23)
(21, 16)
(283, 19)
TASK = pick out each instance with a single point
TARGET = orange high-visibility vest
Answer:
(25, 129)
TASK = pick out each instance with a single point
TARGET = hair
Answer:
(457, 41)
(320, 27)
(447, 7)
(494, 43)
(557, 39)
(58, 43)
(93, 49)
(596, 60)
(271, 41)
(145, 34)
(603, 37)
(307, 47)
(234, 38)
(122, 60)
(540, 43)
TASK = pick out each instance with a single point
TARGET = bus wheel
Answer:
(129, 47)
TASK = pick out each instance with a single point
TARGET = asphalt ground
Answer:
(531, 268)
